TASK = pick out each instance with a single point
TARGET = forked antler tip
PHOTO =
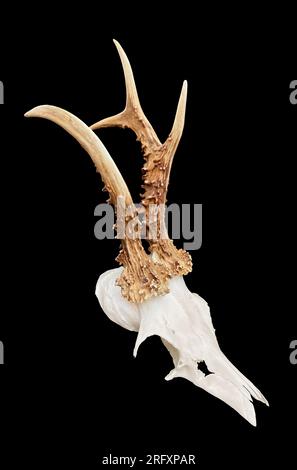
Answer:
(132, 100)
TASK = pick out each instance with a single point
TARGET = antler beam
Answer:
(158, 160)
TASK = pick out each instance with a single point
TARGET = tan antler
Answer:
(141, 277)
(158, 161)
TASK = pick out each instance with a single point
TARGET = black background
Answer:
(70, 388)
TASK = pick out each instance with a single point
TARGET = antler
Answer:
(141, 277)
(158, 161)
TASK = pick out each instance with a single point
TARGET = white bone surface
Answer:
(183, 322)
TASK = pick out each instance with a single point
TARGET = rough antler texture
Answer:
(156, 170)
(141, 277)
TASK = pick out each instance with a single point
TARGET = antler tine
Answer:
(141, 277)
